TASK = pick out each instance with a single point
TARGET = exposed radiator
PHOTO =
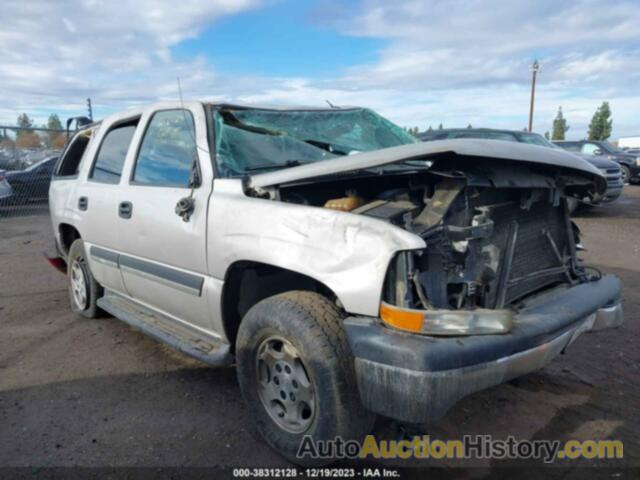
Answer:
(533, 251)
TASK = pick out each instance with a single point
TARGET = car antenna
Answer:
(185, 118)
(330, 104)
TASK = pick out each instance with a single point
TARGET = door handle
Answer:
(125, 209)
(83, 203)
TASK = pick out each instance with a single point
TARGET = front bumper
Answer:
(613, 193)
(415, 378)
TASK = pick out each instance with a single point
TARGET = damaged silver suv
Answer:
(346, 268)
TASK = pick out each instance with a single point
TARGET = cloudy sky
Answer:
(418, 62)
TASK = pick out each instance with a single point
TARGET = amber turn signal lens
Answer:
(401, 318)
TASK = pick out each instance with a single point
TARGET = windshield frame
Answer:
(609, 147)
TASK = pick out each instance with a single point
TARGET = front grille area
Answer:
(533, 252)
(613, 176)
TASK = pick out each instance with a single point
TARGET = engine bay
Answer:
(487, 247)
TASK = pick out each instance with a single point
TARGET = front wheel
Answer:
(626, 174)
(84, 291)
(296, 373)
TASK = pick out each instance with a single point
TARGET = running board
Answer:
(182, 338)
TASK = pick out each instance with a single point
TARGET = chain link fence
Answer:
(27, 160)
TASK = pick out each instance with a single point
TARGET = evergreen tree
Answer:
(412, 130)
(601, 123)
(469, 126)
(560, 126)
(25, 122)
(54, 122)
(440, 127)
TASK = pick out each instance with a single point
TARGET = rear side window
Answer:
(167, 151)
(571, 146)
(112, 153)
(485, 135)
(74, 153)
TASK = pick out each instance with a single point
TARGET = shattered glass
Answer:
(252, 140)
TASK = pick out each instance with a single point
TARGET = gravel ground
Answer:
(98, 394)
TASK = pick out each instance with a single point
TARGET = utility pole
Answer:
(89, 109)
(534, 69)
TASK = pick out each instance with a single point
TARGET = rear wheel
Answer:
(296, 373)
(84, 291)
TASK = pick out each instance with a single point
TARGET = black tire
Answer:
(626, 174)
(312, 324)
(89, 308)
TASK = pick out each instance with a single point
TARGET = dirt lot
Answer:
(96, 393)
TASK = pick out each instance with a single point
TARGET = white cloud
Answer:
(468, 61)
(455, 62)
(117, 52)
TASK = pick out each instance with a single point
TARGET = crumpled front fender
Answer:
(348, 253)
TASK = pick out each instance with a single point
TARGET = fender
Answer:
(348, 253)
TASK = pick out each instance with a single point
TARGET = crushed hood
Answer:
(486, 149)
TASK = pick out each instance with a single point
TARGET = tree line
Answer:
(28, 138)
(599, 128)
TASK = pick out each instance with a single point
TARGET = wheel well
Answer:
(246, 283)
(68, 235)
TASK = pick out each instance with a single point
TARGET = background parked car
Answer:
(30, 184)
(610, 169)
(632, 151)
(5, 189)
(629, 163)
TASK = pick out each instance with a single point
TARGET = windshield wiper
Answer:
(329, 147)
(230, 119)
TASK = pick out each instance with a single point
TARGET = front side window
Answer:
(250, 140)
(590, 148)
(168, 150)
(112, 153)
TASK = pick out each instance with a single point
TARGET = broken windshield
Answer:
(259, 139)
